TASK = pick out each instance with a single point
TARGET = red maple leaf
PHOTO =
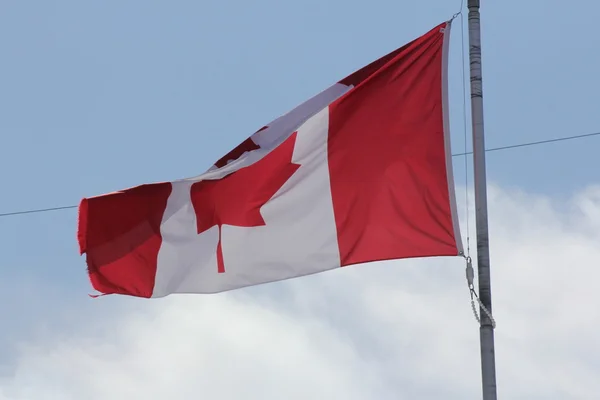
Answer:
(237, 198)
(246, 146)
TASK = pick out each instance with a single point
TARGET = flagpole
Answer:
(486, 329)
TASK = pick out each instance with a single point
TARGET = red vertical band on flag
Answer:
(120, 234)
(387, 158)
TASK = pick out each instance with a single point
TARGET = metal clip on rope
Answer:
(470, 274)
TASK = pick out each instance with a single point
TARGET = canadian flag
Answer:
(361, 172)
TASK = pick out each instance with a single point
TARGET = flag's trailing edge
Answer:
(361, 172)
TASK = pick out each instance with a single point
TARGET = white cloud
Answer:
(386, 331)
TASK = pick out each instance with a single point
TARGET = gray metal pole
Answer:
(486, 330)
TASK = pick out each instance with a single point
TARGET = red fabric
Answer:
(388, 178)
(387, 158)
(120, 234)
(237, 198)
(246, 146)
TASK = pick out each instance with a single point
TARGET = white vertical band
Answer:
(447, 144)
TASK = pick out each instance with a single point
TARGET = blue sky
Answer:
(98, 96)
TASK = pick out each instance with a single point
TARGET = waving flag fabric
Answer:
(359, 173)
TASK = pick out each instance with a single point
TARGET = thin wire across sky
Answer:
(500, 148)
